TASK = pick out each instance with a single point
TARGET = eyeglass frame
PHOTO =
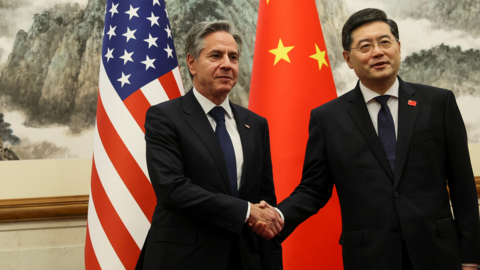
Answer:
(373, 43)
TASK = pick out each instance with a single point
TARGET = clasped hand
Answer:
(264, 220)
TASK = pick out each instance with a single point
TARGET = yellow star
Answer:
(320, 57)
(267, 2)
(281, 52)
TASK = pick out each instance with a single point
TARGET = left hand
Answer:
(469, 268)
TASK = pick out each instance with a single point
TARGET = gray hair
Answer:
(195, 41)
(362, 17)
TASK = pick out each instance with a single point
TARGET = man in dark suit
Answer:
(208, 159)
(390, 148)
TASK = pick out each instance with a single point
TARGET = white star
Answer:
(169, 51)
(169, 32)
(151, 41)
(148, 63)
(132, 12)
(109, 54)
(153, 19)
(111, 32)
(124, 79)
(114, 10)
(166, 12)
(127, 57)
(156, 2)
(129, 34)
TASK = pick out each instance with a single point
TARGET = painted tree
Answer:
(6, 135)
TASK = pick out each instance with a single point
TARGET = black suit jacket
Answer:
(196, 219)
(380, 207)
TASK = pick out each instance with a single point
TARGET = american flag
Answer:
(138, 69)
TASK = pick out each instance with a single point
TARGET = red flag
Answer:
(138, 69)
(291, 76)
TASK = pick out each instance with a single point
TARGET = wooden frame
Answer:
(477, 181)
(47, 208)
(60, 207)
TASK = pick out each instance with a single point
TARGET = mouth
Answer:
(380, 64)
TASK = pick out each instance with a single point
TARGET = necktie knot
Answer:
(382, 99)
(217, 113)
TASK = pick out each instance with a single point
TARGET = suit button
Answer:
(396, 194)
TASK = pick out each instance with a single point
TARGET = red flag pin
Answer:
(412, 103)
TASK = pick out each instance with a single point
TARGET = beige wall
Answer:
(43, 245)
(475, 157)
(44, 178)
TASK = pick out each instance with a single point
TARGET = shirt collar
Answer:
(369, 94)
(207, 105)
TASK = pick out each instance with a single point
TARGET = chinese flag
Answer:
(291, 76)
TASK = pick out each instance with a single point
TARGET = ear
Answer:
(191, 64)
(346, 56)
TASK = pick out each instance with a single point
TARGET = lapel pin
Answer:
(412, 103)
(247, 126)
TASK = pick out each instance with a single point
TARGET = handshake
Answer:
(265, 220)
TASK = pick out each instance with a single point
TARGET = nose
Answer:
(225, 62)
(376, 49)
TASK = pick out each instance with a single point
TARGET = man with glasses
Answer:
(391, 149)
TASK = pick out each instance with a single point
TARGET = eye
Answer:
(365, 47)
(385, 42)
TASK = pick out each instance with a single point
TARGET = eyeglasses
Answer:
(384, 43)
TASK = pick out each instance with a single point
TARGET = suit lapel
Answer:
(359, 113)
(246, 137)
(407, 117)
(196, 118)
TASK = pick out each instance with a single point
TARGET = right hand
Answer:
(264, 220)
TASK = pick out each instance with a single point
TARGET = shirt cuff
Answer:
(248, 212)
(280, 213)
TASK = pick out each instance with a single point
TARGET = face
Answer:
(216, 70)
(377, 68)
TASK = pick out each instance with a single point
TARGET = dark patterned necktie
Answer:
(218, 113)
(386, 130)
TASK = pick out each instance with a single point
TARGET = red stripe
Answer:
(91, 261)
(118, 235)
(125, 164)
(138, 105)
(170, 85)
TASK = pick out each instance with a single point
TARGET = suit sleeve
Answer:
(316, 186)
(176, 192)
(462, 184)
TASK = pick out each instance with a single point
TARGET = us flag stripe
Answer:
(116, 232)
(125, 164)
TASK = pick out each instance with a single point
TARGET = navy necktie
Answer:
(218, 113)
(386, 130)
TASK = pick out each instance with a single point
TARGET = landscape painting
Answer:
(50, 52)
